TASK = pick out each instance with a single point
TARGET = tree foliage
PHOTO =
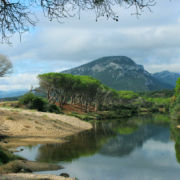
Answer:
(18, 15)
(177, 88)
(81, 90)
(6, 67)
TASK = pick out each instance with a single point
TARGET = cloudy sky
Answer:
(153, 40)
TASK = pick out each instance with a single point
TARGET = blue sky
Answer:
(153, 40)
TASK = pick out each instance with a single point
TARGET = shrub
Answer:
(33, 101)
(39, 103)
(54, 109)
(9, 118)
(3, 157)
(177, 88)
(27, 98)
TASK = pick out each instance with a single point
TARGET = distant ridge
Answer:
(120, 73)
(167, 77)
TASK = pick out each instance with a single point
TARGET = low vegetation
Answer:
(165, 93)
(7, 163)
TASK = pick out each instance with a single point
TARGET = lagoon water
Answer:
(141, 148)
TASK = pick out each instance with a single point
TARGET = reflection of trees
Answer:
(127, 136)
(175, 135)
(125, 144)
(83, 144)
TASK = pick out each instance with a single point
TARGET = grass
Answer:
(7, 107)
(26, 114)
(9, 118)
(6, 161)
(45, 116)
(11, 167)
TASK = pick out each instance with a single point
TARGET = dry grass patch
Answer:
(9, 118)
(11, 167)
(36, 122)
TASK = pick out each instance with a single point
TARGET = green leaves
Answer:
(177, 88)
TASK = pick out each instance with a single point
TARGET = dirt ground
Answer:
(75, 108)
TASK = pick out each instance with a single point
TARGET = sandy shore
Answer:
(28, 176)
(27, 127)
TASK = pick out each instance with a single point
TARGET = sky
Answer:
(153, 40)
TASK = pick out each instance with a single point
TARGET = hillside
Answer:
(120, 73)
(167, 77)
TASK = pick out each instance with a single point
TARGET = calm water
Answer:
(138, 149)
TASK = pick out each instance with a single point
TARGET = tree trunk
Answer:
(85, 106)
(96, 106)
(71, 100)
(88, 107)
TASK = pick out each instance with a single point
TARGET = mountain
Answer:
(120, 73)
(12, 93)
(167, 77)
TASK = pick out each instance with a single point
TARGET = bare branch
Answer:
(17, 17)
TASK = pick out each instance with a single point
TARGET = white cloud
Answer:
(21, 81)
(153, 40)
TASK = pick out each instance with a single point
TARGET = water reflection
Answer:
(83, 144)
(112, 138)
(139, 148)
(175, 135)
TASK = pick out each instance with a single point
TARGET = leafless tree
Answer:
(18, 15)
(6, 67)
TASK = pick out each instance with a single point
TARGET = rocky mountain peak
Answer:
(118, 72)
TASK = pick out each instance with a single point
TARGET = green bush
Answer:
(177, 88)
(3, 157)
(33, 101)
(39, 103)
(178, 99)
(26, 98)
(54, 109)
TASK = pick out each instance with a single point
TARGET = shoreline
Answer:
(28, 127)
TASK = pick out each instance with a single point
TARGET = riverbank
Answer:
(21, 127)
(25, 127)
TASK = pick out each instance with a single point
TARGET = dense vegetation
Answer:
(175, 102)
(165, 93)
(81, 90)
(96, 99)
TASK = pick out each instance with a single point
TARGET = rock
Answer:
(25, 170)
(21, 149)
(64, 174)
